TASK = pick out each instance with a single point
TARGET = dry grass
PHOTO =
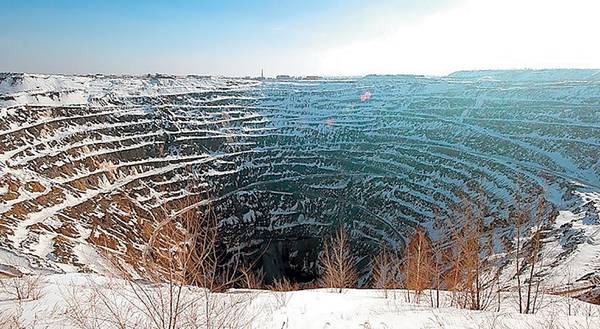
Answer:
(283, 285)
(252, 279)
(122, 304)
(101, 307)
(280, 289)
(12, 320)
(385, 273)
(177, 285)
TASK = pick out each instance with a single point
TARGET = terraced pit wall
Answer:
(86, 161)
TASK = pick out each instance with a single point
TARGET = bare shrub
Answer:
(280, 289)
(252, 279)
(284, 285)
(385, 273)
(479, 273)
(100, 306)
(528, 259)
(338, 263)
(22, 288)
(473, 276)
(418, 263)
(12, 319)
(176, 286)
(310, 285)
(436, 275)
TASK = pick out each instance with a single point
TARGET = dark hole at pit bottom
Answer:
(294, 260)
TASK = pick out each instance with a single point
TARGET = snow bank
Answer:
(59, 90)
(319, 308)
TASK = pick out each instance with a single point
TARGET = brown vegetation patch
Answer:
(53, 197)
(101, 239)
(13, 188)
(21, 210)
(34, 187)
(67, 230)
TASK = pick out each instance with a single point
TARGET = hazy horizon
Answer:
(332, 38)
(274, 75)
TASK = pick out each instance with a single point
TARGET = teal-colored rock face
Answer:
(321, 153)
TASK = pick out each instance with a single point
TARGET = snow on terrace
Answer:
(70, 136)
(15, 84)
(34, 89)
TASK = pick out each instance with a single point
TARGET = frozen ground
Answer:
(68, 298)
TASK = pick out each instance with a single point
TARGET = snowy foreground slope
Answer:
(86, 301)
(87, 161)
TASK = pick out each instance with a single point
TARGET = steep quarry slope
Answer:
(84, 160)
(409, 152)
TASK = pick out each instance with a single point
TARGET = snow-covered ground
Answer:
(92, 301)
(61, 90)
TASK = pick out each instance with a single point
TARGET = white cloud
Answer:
(478, 34)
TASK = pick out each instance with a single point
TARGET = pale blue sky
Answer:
(347, 37)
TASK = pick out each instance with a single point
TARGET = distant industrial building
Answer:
(262, 75)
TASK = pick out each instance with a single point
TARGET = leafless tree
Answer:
(386, 270)
(436, 275)
(418, 263)
(472, 276)
(528, 257)
(338, 263)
